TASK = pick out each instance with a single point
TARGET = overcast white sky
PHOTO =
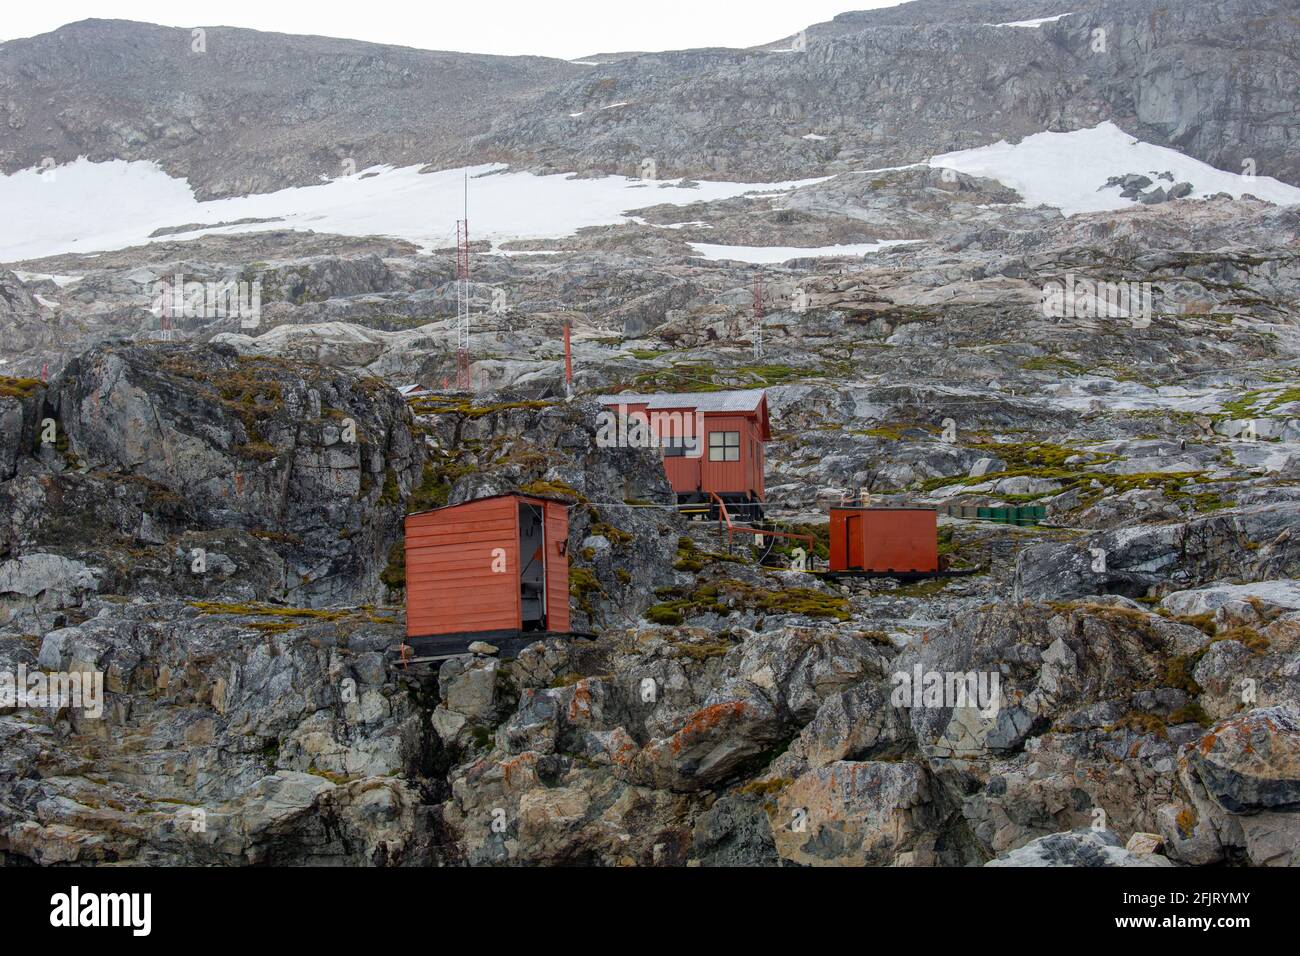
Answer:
(560, 28)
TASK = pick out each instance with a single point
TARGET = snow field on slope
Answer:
(95, 207)
(1068, 170)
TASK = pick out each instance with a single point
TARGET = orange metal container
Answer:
(884, 540)
(493, 565)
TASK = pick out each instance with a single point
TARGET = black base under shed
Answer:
(898, 575)
(440, 647)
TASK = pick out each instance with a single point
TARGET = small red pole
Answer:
(568, 363)
(45, 372)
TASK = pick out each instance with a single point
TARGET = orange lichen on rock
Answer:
(580, 704)
(705, 721)
(519, 770)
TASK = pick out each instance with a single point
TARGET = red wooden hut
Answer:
(884, 540)
(712, 442)
(494, 567)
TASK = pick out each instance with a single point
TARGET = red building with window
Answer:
(711, 441)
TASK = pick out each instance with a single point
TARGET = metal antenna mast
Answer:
(463, 382)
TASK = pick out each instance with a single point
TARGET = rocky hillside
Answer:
(882, 88)
(210, 514)
(255, 112)
(727, 713)
(248, 112)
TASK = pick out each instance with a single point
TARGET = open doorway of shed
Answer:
(532, 562)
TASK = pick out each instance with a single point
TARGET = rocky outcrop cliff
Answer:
(725, 714)
(198, 473)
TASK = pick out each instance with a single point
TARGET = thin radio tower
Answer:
(463, 382)
(758, 317)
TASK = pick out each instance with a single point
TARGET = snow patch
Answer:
(1069, 170)
(1034, 23)
(777, 254)
(104, 206)
(60, 281)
